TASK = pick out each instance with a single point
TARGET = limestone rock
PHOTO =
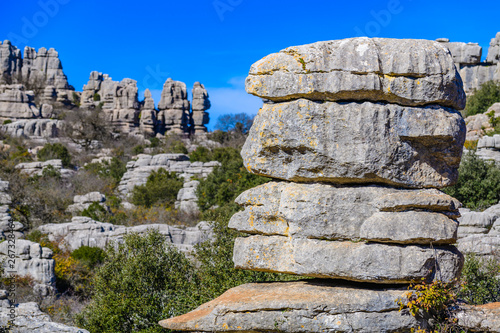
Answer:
(173, 109)
(187, 201)
(148, 115)
(494, 50)
(408, 72)
(82, 202)
(464, 53)
(17, 103)
(10, 62)
(355, 261)
(125, 113)
(372, 213)
(474, 76)
(301, 306)
(364, 142)
(200, 104)
(83, 231)
(480, 318)
(34, 128)
(31, 260)
(36, 168)
(29, 318)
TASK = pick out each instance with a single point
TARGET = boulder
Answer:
(147, 121)
(494, 50)
(173, 109)
(301, 306)
(366, 142)
(407, 72)
(355, 261)
(464, 53)
(187, 201)
(371, 213)
(479, 318)
(34, 128)
(200, 104)
(82, 202)
(16, 103)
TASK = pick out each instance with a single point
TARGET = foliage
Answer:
(143, 280)
(478, 185)
(161, 187)
(97, 97)
(177, 147)
(434, 303)
(470, 144)
(85, 127)
(480, 283)
(53, 151)
(226, 182)
(113, 169)
(89, 256)
(240, 122)
(139, 149)
(7, 121)
(487, 95)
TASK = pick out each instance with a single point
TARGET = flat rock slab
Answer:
(404, 71)
(362, 262)
(481, 318)
(306, 141)
(302, 306)
(371, 213)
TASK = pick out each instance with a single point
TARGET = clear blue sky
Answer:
(216, 41)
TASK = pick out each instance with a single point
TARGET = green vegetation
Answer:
(53, 151)
(89, 256)
(480, 281)
(487, 95)
(97, 97)
(161, 187)
(7, 121)
(478, 185)
(113, 169)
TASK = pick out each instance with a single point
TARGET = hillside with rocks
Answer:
(320, 216)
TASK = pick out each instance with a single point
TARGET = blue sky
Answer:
(216, 41)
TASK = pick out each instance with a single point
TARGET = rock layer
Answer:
(407, 72)
(364, 142)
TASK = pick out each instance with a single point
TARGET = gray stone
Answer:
(372, 213)
(148, 115)
(200, 104)
(408, 72)
(173, 108)
(494, 50)
(16, 103)
(82, 202)
(474, 76)
(34, 128)
(83, 231)
(187, 201)
(302, 306)
(36, 168)
(465, 53)
(364, 142)
(355, 261)
(482, 318)
(29, 318)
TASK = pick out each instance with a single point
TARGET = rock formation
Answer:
(17, 103)
(173, 109)
(467, 58)
(200, 104)
(83, 231)
(147, 121)
(37, 168)
(361, 130)
(138, 171)
(82, 202)
(187, 201)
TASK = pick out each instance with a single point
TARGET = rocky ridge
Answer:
(336, 216)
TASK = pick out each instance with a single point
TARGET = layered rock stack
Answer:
(148, 115)
(200, 104)
(173, 109)
(361, 132)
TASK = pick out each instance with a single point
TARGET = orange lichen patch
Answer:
(490, 306)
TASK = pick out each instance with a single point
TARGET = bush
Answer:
(487, 95)
(177, 147)
(478, 185)
(97, 97)
(226, 182)
(161, 187)
(139, 149)
(142, 281)
(114, 169)
(480, 281)
(7, 121)
(53, 151)
(89, 256)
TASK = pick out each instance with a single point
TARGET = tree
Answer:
(240, 122)
(487, 95)
(84, 127)
(161, 187)
(55, 151)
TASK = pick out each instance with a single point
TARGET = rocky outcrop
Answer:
(479, 232)
(34, 128)
(200, 105)
(9, 229)
(37, 70)
(82, 202)
(37, 168)
(16, 102)
(345, 115)
(480, 124)
(27, 317)
(31, 260)
(187, 201)
(83, 231)
(173, 109)
(148, 115)
(467, 58)
(138, 171)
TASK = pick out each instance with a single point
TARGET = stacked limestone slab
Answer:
(361, 132)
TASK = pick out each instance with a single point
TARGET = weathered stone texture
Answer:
(364, 142)
(408, 72)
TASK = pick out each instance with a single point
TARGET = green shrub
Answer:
(55, 151)
(90, 256)
(177, 147)
(7, 121)
(141, 282)
(200, 154)
(97, 97)
(155, 142)
(139, 149)
(226, 182)
(161, 187)
(113, 169)
(96, 212)
(487, 95)
(480, 282)
(478, 185)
